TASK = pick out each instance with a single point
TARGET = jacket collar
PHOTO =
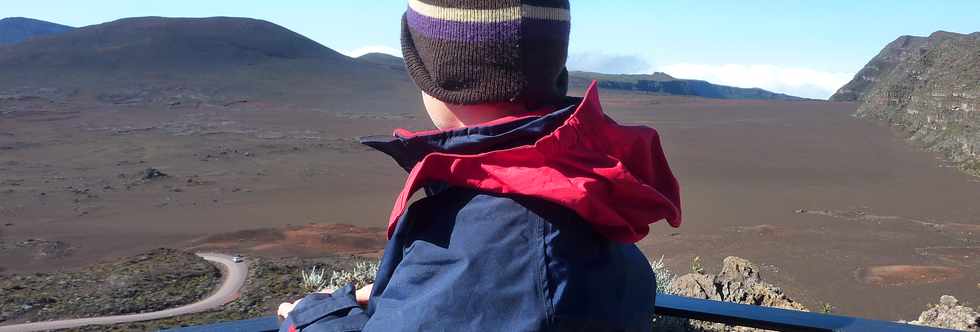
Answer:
(615, 177)
(408, 148)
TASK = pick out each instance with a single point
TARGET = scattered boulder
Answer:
(701, 286)
(45, 249)
(153, 173)
(950, 314)
(739, 281)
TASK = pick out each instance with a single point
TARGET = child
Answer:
(533, 199)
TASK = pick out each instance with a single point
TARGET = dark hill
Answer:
(223, 60)
(666, 84)
(17, 29)
(154, 42)
(215, 59)
(382, 59)
(930, 88)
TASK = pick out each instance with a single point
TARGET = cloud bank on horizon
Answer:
(608, 63)
(796, 81)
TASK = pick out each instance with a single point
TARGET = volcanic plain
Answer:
(259, 155)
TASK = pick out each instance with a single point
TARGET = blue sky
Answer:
(807, 48)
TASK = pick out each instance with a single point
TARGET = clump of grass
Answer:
(663, 275)
(362, 275)
(696, 266)
(315, 280)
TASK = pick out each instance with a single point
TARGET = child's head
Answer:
(476, 60)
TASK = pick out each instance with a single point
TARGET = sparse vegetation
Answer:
(315, 280)
(972, 167)
(664, 278)
(160, 279)
(696, 266)
(270, 282)
(362, 274)
(663, 275)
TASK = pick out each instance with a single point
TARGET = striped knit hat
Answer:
(480, 51)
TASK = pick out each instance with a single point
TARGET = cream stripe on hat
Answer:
(489, 15)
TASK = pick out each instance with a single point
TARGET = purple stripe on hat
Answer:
(478, 32)
(463, 31)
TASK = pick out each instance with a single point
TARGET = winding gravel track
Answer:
(234, 275)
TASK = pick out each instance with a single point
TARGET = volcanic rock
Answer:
(950, 314)
(740, 282)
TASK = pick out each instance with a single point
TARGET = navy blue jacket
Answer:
(468, 259)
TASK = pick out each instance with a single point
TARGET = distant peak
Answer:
(945, 34)
(18, 29)
(383, 59)
(24, 19)
(662, 76)
(378, 55)
(934, 35)
(157, 20)
(179, 41)
(19, 19)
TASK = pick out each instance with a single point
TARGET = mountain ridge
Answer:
(123, 42)
(191, 60)
(14, 30)
(890, 56)
(929, 87)
(159, 59)
(383, 59)
(658, 82)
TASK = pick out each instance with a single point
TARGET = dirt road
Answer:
(234, 275)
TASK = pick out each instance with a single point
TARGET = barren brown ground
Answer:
(838, 210)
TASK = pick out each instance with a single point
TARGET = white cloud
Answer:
(373, 49)
(607, 63)
(802, 82)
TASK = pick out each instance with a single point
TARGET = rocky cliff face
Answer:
(880, 66)
(930, 88)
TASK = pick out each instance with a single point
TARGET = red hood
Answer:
(615, 177)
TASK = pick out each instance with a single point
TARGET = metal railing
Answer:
(683, 307)
(773, 318)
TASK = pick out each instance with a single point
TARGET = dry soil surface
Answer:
(839, 210)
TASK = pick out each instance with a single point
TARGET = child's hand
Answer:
(364, 294)
(286, 308)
